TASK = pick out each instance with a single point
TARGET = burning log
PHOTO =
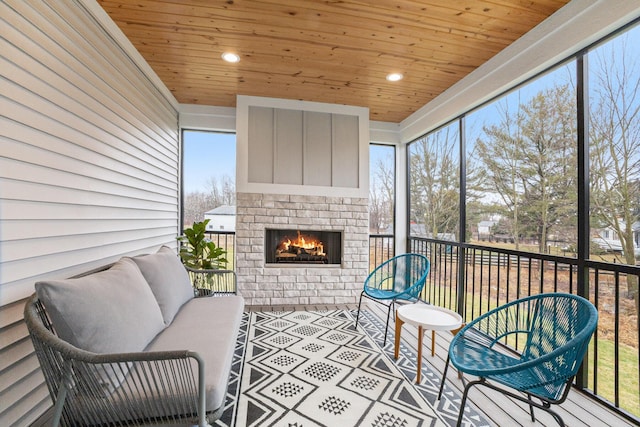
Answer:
(303, 249)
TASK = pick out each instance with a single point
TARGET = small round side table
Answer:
(425, 317)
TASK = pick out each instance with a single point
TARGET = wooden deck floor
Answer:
(577, 411)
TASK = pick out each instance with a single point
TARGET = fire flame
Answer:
(301, 242)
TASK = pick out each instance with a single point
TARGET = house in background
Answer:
(608, 240)
(222, 218)
(485, 229)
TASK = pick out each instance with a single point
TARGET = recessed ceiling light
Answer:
(231, 57)
(394, 77)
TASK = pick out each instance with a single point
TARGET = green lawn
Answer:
(629, 393)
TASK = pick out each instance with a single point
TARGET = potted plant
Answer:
(201, 257)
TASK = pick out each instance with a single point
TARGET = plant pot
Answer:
(201, 292)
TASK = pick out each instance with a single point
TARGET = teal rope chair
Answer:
(399, 278)
(552, 333)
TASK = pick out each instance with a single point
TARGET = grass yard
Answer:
(629, 386)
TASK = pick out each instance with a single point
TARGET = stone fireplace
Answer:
(299, 247)
(282, 283)
(302, 171)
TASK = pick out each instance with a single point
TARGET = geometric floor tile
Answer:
(449, 405)
(314, 368)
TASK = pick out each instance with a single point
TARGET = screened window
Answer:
(521, 181)
(614, 149)
(208, 179)
(434, 184)
(521, 174)
(382, 178)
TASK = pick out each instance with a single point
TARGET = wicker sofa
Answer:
(130, 344)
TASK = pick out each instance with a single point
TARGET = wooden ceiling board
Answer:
(264, 50)
(319, 50)
(330, 35)
(203, 64)
(377, 16)
(327, 40)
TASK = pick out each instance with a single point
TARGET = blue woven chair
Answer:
(399, 278)
(550, 331)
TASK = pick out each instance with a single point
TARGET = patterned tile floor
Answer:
(283, 385)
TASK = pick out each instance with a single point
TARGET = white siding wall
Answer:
(88, 167)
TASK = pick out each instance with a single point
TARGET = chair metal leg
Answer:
(60, 398)
(464, 398)
(386, 328)
(545, 406)
(533, 417)
(62, 394)
(556, 416)
(359, 304)
(444, 377)
(390, 307)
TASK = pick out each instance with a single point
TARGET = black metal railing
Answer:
(489, 277)
(227, 241)
(615, 348)
(381, 248)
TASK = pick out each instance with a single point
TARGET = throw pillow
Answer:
(168, 280)
(112, 311)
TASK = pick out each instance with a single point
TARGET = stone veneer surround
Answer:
(312, 284)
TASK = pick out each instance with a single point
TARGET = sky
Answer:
(207, 155)
(626, 42)
(378, 153)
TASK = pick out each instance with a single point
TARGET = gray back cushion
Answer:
(168, 280)
(112, 311)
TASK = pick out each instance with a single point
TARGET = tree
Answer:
(386, 177)
(615, 144)
(501, 156)
(194, 206)
(376, 221)
(381, 195)
(220, 191)
(529, 159)
(549, 149)
(434, 182)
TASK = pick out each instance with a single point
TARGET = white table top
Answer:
(429, 317)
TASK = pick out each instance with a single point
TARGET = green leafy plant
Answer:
(198, 252)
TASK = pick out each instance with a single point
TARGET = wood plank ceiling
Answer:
(327, 51)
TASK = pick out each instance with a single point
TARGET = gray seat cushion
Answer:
(208, 326)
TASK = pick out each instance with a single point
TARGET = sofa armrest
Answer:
(95, 389)
(213, 282)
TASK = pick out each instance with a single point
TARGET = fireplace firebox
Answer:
(303, 246)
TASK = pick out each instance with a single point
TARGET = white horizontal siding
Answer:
(89, 167)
